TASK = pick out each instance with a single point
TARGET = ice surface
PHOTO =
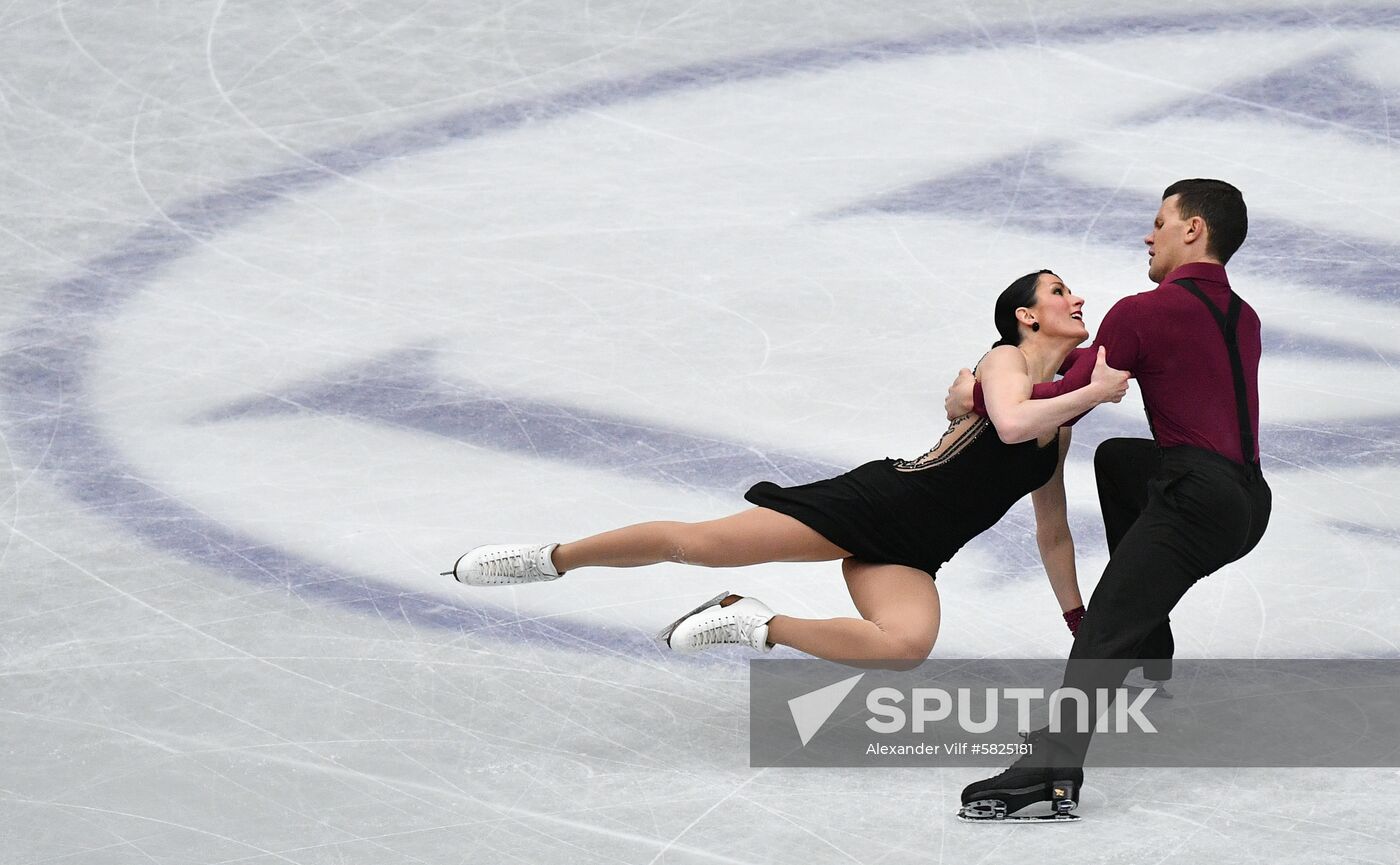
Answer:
(305, 299)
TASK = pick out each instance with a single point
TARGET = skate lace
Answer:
(504, 566)
(734, 630)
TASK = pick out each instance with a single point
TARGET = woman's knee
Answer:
(906, 650)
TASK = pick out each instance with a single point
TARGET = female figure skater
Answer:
(891, 523)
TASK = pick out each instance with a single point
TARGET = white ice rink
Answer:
(303, 299)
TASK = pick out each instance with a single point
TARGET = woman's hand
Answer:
(1073, 618)
(1108, 384)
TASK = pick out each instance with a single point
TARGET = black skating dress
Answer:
(919, 512)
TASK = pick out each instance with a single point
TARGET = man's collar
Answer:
(1204, 270)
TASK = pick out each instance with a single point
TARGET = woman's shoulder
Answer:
(1003, 357)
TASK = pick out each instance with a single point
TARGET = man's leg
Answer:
(1195, 522)
(1198, 518)
(1123, 467)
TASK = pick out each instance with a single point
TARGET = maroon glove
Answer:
(1073, 618)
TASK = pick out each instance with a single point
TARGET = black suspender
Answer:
(1228, 322)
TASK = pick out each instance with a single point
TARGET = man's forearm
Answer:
(1079, 369)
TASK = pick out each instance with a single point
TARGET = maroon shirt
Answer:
(1171, 344)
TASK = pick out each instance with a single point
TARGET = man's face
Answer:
(1166, 242)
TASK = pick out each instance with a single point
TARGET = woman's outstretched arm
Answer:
(1053, 537)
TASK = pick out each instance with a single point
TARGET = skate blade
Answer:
(1018, 818)
(453, 573)
(994, 811)
(664, 636)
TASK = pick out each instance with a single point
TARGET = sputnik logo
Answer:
(811, 710)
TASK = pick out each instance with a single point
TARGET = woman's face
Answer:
(1057, 310)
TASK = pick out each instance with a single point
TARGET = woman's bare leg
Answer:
(899, 624)
(747, 538)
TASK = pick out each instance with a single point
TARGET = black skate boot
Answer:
(1028, 781)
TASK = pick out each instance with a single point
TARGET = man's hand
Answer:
(959, 399)
(1110, 384)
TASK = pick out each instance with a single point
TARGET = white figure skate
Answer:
(505, 565)
(724, 620)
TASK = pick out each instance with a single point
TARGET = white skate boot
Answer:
(505, 565)
(724, 620)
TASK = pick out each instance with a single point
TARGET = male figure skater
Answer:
(1176, 508)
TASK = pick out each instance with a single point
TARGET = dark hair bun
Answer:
(1018, 294)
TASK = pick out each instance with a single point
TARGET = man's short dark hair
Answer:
(1220, 205)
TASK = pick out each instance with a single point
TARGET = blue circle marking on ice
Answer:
(47, 371)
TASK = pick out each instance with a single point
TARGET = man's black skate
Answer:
(1025, 783)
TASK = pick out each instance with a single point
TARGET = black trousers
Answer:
(1123, 468)
(1172, 516)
